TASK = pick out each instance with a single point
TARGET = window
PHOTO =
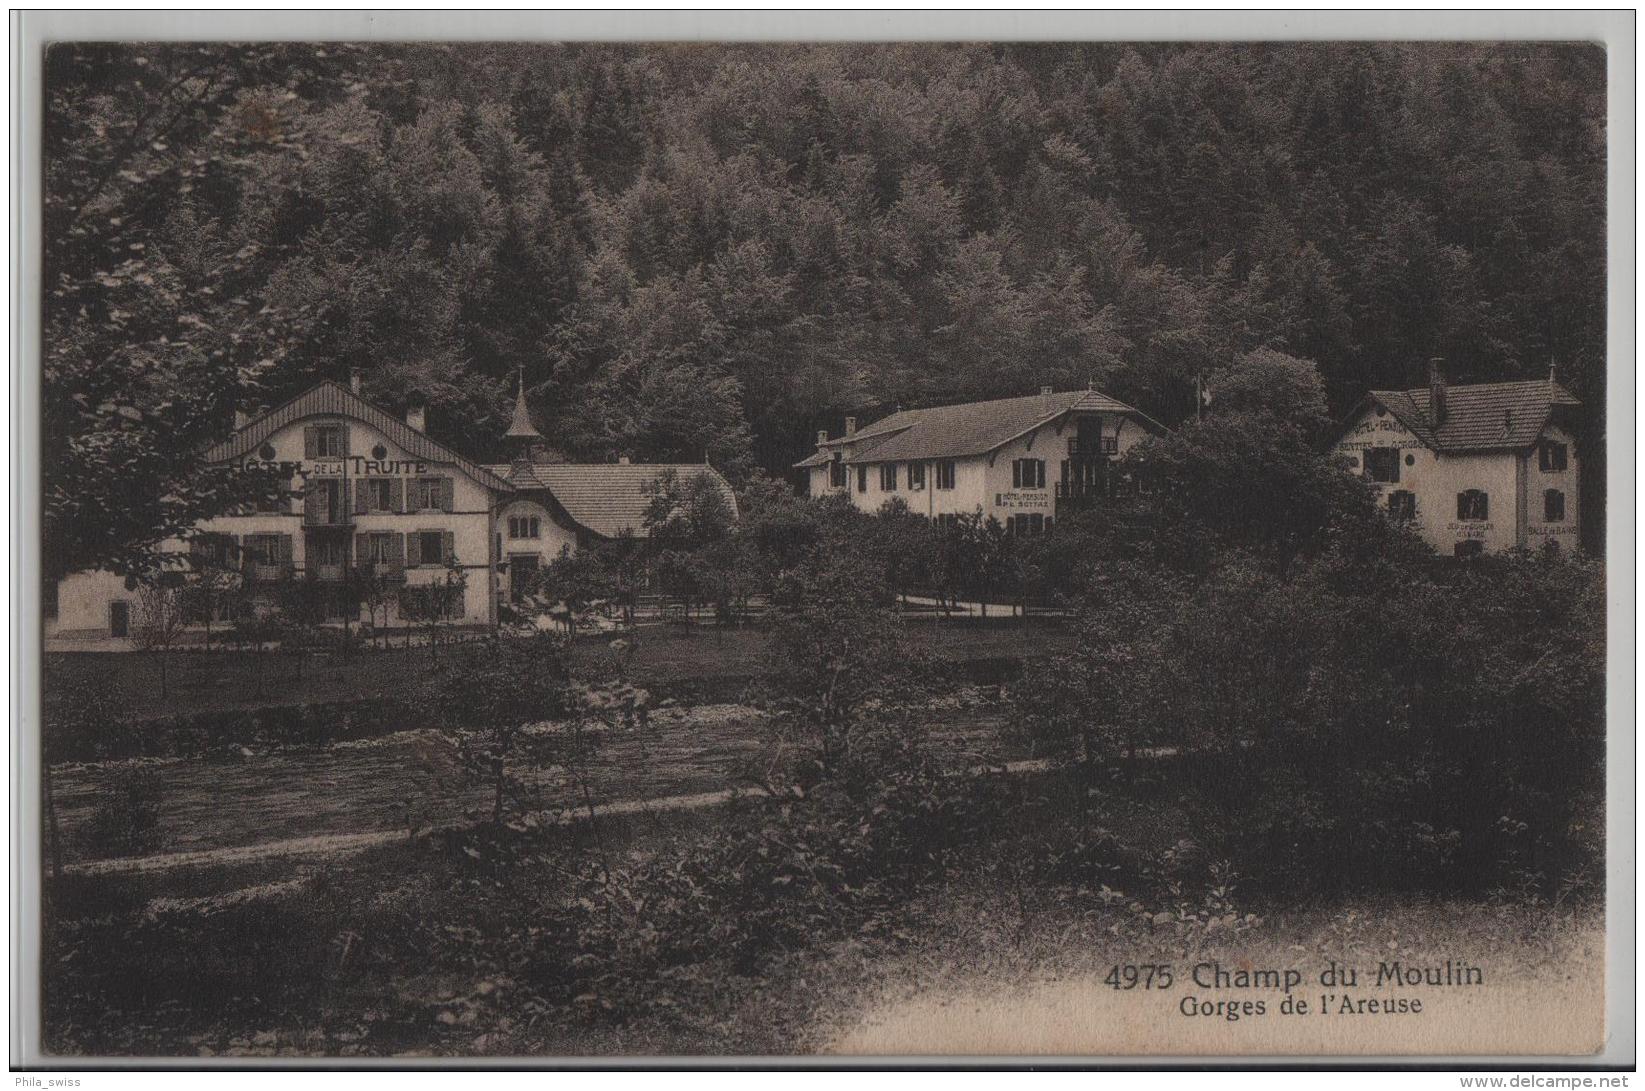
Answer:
(328, 441)
(916, 476)
(378, 494)
(836, 473)
(862, 478)
(1028, 524)
(1473, 506)
(524, 526)
(1551, 456)
(431, 544)
(945, 474)
(1402, 506)
(1028, 473)
(325, 552)
(430, 494)
(888, 477)
(257, 549)
(1553, 506)
(377, 548)
(1382, 464)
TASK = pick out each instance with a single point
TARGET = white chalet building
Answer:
(1024, 461)
(374, 496)
(1479, 468)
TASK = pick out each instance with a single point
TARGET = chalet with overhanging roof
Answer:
(1025, 461)
(376, 501)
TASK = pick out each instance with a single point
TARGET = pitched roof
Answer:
(1479, 416)
(970, 428)
(330, 399)
(606, 498)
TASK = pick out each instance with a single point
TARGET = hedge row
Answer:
(83, 732)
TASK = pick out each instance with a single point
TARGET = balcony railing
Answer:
(1093, 448)
(267, 573)
(391, 571)
(329, 573)
(322, 515)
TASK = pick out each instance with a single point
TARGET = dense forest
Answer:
(694, 250)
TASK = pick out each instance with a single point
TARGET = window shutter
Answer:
(1016, 474)
(397, 494)
(447, 494)
(342, 440)
(361, 495)
(311, 502)
(414, 549)
(311, 441)
(337, 516)
(397, 549)
(448, 544)
(282, 549)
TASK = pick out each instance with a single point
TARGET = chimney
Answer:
(1436, 390)
(1553, 374)
(822, 436)
(1045, 392)
(354, 381)
(851, 426)
(417, 416)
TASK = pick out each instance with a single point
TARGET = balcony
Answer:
(386, 571)
(327, 573)
(1079, 495)
(1101, 447)
(267, 573)
(325, 504)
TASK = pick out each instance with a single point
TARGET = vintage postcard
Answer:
(826, 549)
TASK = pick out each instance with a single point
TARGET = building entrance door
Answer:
(522, 571)
(119, 619)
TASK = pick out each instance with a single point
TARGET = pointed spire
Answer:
(521, 427)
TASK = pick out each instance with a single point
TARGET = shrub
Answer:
(126, 820)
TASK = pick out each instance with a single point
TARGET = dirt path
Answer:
(357, 795)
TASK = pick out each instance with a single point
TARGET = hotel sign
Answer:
(1031, 500)
(355, 465)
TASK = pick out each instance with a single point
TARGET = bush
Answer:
(126, 820)
(1441, 734)
(85, 727)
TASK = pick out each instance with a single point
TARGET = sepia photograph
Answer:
(821, 549)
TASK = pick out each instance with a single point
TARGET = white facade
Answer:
(1529, 499)
(1019, 475)
(376, 504)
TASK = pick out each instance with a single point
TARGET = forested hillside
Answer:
(718, 249)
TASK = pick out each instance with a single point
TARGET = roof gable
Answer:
(329, 399)
(969, 428)
(1479, 416)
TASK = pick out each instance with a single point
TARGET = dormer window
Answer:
(1551, 457)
